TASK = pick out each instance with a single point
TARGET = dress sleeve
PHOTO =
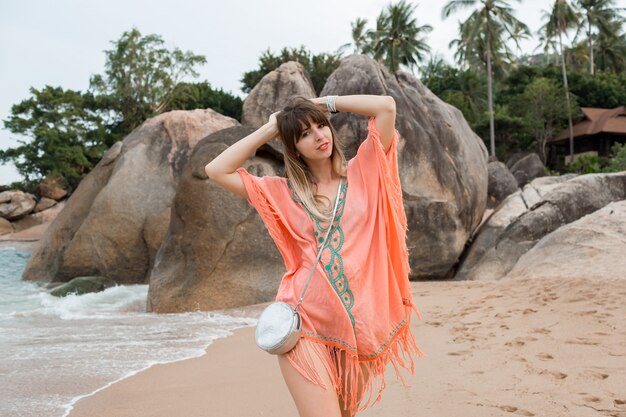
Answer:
(370, 154)
(260, 196)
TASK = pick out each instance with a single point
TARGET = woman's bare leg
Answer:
(341, 400)
(311, 399)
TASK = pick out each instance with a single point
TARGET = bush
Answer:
(618, 162)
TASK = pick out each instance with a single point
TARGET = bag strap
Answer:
(319, 251)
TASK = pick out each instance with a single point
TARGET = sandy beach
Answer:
(502, 348)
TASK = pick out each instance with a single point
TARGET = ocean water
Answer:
(58, 350)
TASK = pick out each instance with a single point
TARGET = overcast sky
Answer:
(61, 42)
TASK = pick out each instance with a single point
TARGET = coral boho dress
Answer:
(357, 309)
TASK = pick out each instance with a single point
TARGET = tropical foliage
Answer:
(319, 67)
(140, 77)
(484, 38)
(398, 39)
(64, 133)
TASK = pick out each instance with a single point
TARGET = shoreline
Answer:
(497, 348)
(70, 406)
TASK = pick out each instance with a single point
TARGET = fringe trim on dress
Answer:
(360, 381)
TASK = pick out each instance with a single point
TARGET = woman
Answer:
(357, 308)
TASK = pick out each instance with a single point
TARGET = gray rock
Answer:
(82, 285)
(524, 218)
(501, 183)
(41, 217)
(442, 163)
(43, 204)
(15, 204)
(5, 227)
(217, 253)
(592, 247)
(51, 189)
(272, 92)
(527, 169)
(116, 219)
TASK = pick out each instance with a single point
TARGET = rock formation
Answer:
(15, 204)
(116, 219)
(590, 247)
(525, 217)
(442, 163)
(217, 253)
(501, 183)
(272, 92)
(528, 168)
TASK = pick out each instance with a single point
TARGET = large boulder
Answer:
(15, 204)
(217, 253)
(526, 217)
(501, 183)
(272, 92)
(116, 219)
(442, 163)
(590, 247)
(476, 260)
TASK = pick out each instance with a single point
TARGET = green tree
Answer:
(140, 77)
(562, 17)
(319, 67)
(543, 109)
(398, 39)
(359, 36)
(611, 47)
(189, 96)
(486, 32)
(599, 14)
(68, 134)
(617, 163)
(465, 89)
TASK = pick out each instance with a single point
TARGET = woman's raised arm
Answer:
(382, 108)
(222, 168)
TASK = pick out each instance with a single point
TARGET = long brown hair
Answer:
(296, 117)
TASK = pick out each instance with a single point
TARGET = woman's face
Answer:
(315, 142)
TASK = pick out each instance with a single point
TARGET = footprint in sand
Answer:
(460, 353)
(542, 331)
(588, 398)
(594, 374)
(545, 356)
(554, 374)
(515, 410)
(619, 404)
(521, 341)
(582, 341)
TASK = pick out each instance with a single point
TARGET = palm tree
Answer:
(599, 14)
(483, 36)
(358, 34)
(398, 39)
(560, 20)
(611, 46)
(359, 37)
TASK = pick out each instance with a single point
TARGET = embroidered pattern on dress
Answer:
(334, 269)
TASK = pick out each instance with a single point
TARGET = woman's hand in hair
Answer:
(320, 102)
(273, 121)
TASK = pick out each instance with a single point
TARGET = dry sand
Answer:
(526, 348)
